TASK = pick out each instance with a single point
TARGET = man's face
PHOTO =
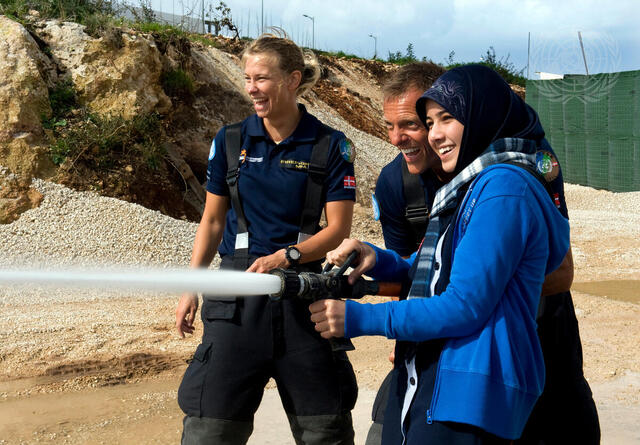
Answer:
(407, 133)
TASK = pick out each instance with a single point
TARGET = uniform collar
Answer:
(306, 130)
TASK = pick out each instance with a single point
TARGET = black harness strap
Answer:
(536, 174)
(313, 203)
(233, 145)
(416, 211)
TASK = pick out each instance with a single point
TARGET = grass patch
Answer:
(69, 10)
(339, 54)
(59, 151)
(177, 83)
(159, 28)
(204, 40)
(103, 143)
(62, 99)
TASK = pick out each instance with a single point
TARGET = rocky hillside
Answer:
(131, 115)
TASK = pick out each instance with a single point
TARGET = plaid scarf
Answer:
(503, 150)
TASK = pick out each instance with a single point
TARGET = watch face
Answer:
(293, 253)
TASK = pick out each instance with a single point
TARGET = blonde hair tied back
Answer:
(289, 57)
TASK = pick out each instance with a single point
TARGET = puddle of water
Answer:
(623, 290)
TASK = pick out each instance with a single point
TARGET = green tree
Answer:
(501, 65)
(400, 59)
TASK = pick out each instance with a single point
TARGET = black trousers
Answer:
(565, 412)
(248, 340)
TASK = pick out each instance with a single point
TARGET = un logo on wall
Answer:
(563, 55)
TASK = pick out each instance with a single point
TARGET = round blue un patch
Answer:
(547, 165)
(347, 150)
(375, 206)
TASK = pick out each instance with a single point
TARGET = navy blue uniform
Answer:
(565, 412)
(272, 182)
(248, 340)
(396, 229)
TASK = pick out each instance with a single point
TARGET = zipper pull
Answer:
(429, 419)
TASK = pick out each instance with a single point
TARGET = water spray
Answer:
(279, 284)
(218, 283)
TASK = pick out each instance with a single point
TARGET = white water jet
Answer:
(208, 282)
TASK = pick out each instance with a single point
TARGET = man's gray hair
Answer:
(416, 75)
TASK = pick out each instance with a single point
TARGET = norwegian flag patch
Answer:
(350, 182)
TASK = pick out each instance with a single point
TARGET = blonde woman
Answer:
(268, 180)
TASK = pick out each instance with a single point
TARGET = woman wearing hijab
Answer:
(468, 367)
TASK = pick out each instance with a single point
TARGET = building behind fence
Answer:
(593, 125)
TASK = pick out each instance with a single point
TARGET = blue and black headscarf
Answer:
(484, 103)
(498, 127)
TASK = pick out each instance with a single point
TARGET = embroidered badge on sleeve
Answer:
(547, 165)
(350, 182)
(347, 150)
(375, 206)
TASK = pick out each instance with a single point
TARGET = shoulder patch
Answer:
(347, 150)
(212, 150)
(349, 182)
(547, 165)
(375, 206)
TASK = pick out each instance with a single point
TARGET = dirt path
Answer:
(83, 368)
(38, 410)
(137, 413)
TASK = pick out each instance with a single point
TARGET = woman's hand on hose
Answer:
(186, 313)
(266, 263)
(328, 316)
(365, 260)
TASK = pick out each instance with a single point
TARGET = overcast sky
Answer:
(610, 29)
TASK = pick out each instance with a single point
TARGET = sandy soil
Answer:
(108, 370)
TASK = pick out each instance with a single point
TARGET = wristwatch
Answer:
(293, 255)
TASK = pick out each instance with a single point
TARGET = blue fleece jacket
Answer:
(507, 237)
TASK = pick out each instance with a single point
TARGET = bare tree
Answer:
(220, 18)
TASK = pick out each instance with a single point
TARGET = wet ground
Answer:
(621, 290)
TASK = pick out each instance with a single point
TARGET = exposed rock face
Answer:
(23, 92)
(16, 196)
(118, 74)
(23, 98)
(218, 100)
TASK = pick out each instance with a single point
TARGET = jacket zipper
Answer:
(436, 391)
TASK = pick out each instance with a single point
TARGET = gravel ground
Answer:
(56, 341)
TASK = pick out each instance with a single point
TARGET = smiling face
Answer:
(407, 133)
(271, 90)
(445, 135)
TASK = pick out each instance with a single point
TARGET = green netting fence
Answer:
(593, 125)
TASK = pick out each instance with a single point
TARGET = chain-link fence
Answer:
(204, 16)
(593, 125)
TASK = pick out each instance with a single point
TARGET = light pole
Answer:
(313, 30)
(375, 45)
